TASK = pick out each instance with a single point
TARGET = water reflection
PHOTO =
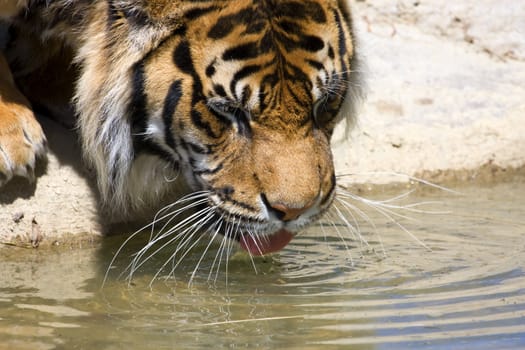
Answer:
(468, 291)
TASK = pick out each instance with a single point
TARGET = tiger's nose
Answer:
(288, 213)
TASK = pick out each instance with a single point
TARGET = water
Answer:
(465, 291)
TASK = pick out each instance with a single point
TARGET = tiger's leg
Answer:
(21, 137)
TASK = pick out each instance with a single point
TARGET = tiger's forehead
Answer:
(260, 53)
(255, 16)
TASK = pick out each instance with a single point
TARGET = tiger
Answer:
(229, 105)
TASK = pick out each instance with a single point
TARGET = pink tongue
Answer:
(266, 245)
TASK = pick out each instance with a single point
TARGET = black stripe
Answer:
(138, 114)
(243, 123)
(262, 100)
(195, 148)
(226, 122)
(210, 70)
(294, 73)
(244, 72)
(315, 64)
(198, 120)
(346, 15)
(180, 30)
(135, 16)
(219, 90)
(136, 109)
(304, 10)
(196, 13)
(208, 171)
(170, 106)
(226, 24)
(225, 192)
(113, 14)
(341, 35)
(291, 91)
(266, 43)
(255, 27)
(270, 80)
(182, 58)
(311, 43)
(246, 94)
(241, 52)
(331, 53)
(288, 26)
(242, 205)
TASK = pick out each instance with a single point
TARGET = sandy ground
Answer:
(446, 84)
(446, 96)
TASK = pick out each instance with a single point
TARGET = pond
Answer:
(447, 273)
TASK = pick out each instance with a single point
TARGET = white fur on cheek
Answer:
(102, 99)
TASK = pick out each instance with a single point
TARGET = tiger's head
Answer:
(239, 99)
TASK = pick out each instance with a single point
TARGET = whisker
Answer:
(201, 258)
(401, 175)
(139, 258)
(159, 217)
(188, 237)
(355, 229)
(195, 228)
(390, 215)
(341, 237)
(350, 208)
(356, 232)
(391, 208)
(117, 253)
(250, 232)
(174, 213)
(138, 261)
(218, 256)
(398, 224)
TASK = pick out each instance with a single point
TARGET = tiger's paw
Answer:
(22, 141)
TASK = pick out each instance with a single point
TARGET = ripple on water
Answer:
(464, 289)
(468, 290)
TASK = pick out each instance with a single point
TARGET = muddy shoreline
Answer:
(483, 177)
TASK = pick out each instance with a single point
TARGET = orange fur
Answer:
(153, 78)
(21, 137)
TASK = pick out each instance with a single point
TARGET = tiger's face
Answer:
(246, 104)
(244, 99)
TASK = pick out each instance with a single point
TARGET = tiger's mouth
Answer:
(266, 244)
(260, 237)
(256, 237)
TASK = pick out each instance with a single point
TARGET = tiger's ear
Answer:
(154, 11)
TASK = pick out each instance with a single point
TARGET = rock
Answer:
(62, 201)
